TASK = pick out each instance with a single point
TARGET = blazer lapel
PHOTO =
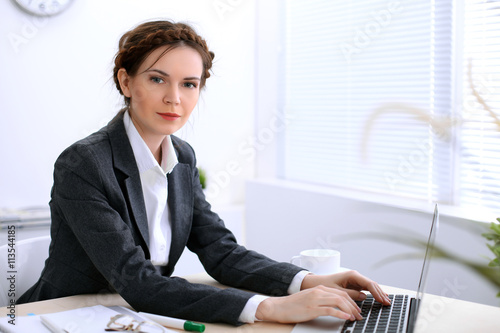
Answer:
(180, 204)
(124, 160)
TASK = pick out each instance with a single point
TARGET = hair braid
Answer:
(137, 44)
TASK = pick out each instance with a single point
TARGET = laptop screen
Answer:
(428, 254)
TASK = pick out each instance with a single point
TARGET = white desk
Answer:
(438, 314)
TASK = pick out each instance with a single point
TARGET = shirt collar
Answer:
(143, 156)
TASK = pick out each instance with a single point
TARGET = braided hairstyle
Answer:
(137, 44)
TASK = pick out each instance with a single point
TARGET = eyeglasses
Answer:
(123, 322)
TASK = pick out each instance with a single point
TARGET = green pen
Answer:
(174, 322)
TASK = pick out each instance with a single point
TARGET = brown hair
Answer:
(137, 44)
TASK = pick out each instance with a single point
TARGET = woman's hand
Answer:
(322, 295)
(307, 305)
(351, 282)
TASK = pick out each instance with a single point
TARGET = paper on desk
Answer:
(84, 320)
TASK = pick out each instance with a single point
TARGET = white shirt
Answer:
(154, 183)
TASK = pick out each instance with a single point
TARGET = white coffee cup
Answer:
(318, 261)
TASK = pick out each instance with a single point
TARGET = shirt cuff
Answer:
(297, 282)
(250, 309)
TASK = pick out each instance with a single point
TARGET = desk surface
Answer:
(437, 314)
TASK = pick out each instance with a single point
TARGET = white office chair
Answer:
(30, 255)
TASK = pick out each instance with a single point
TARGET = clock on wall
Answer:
(43, 7)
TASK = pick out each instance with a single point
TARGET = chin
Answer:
(170, 130)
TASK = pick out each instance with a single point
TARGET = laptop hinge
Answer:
(413, 314)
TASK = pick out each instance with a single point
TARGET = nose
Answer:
(172, 95)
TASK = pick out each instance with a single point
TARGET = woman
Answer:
(127, 200)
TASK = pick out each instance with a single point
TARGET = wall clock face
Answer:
(43, 7)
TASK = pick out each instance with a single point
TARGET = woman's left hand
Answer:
(351, 282)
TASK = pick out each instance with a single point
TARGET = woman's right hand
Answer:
(307, 305)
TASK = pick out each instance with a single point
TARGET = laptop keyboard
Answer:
(378, 317)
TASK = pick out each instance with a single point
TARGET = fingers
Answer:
(337, 303)
(355, 295)
(355, 282)
(333, 312)
(379, 294)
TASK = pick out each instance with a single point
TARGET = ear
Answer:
(124, 80)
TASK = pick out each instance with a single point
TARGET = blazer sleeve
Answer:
(86, 199)
(224, 259)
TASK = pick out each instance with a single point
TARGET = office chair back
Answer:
(22, 268)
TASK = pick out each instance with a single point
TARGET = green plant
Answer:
(494, 235)
(203, 177)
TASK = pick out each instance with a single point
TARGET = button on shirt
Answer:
(154, 183)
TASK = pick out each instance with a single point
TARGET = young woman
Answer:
(127, 200)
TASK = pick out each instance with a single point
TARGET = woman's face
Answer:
(163, 93)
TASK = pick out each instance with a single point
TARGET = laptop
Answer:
(399, 317)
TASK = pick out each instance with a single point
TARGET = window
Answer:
(479, 172)
(378, 100)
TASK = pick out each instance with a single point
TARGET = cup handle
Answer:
(295, 260)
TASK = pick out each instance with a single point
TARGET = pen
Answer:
(51, 325)
(174, 322)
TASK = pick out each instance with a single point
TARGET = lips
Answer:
(169, 116)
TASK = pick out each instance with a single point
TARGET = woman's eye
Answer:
(189, 85)
(156, 79)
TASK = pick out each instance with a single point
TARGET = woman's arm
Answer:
(224, 259)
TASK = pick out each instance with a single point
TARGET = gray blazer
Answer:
(100, 237)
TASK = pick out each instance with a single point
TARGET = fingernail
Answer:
(362, 296)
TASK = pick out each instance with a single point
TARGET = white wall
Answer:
(302, 216)
(56, 87)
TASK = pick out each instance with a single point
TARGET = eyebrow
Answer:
(166, 74)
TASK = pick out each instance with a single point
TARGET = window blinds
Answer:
(365, 83)
(479, 175)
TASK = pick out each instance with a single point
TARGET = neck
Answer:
(157, 154)
(152, 141)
